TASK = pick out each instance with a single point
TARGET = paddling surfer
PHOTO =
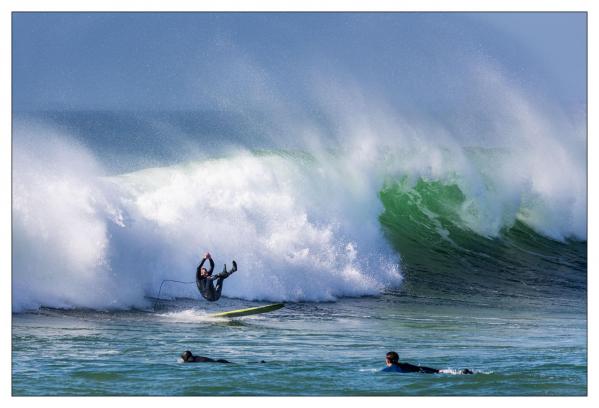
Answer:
(205, 280)
(188, 357)
(393, 365)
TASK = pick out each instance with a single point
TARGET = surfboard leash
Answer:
(160, 290)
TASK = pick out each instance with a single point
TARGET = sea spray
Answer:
(126, 233)
(303, 223)
(262, 211)
(60, 213)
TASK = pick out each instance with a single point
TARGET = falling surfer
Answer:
(205, 279)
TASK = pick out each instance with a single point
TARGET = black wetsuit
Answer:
(202, 359)
(206, 285)
(410, 368)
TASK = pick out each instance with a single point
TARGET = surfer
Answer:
(393, 365)
(188, 357)
(205, 280)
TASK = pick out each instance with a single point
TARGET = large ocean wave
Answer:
(328, 218)
(299, 231)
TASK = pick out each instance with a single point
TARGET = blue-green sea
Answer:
(409, 182)
(335, 348)
(368, 258)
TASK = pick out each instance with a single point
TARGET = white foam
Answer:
(513, 154)
(299, 229)
(452, 371)
(60, 215)
(293, 233)
(190, 316)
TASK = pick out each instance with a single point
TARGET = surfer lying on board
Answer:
(393, 365)
(205, 280)
(188, 357)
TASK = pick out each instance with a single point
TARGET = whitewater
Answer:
(303, 222)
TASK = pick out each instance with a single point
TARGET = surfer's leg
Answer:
(210, 293)
(218, 288)
(202, 359)
(227, 274)
(224, 274)
(205, 287)
(429, 370)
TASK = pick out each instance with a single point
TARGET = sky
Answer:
(187, 61)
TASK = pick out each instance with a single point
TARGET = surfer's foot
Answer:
(234, 266)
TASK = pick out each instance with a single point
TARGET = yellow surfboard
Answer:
(250, 311)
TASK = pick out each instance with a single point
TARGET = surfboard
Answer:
(249, 311)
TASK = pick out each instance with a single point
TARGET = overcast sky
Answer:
(189, 60)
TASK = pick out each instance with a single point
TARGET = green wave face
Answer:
(442, 257)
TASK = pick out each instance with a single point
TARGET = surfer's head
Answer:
(186, 355)
(204, 272)
(392, 358)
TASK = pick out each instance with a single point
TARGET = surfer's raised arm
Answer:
(201, 272)
(211, 265)
(209, 258)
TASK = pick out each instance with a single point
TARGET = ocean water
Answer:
(369, 257)
(334, 348)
